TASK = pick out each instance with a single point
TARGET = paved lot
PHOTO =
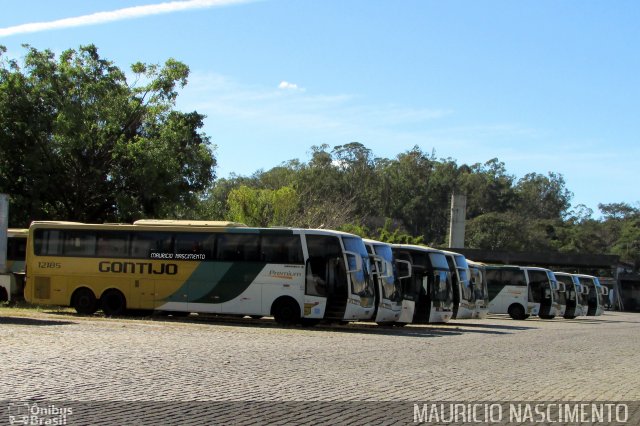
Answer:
(48, 356)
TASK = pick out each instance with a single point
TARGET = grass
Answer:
(22, 307)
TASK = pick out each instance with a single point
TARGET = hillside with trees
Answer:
(78, 141)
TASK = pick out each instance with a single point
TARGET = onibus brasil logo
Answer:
(33, 413)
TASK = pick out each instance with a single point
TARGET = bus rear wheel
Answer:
(286, 311)
(84, 301)
(516, 312)
(548, 317)
(113, 303)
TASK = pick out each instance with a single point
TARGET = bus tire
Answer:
(113, 303)
(517, 312)
(255, 317)
(570, 317)
(4, 297)
(547, 317)
(399, 324)
(286, 311)
(84, 301)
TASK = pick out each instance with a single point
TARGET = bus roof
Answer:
(416, 247)
(205, 223)
(375, 242)
(191, 225)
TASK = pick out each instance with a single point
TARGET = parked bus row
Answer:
(525, 291)
(295, 275)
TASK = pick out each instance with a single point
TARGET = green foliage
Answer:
(262, 207)
(389, 234)
(77, 142)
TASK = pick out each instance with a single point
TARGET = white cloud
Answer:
(116, 15)
(285, 85)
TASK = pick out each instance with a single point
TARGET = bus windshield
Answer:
(461, 261)
(390, 288)
(441, 290)
(558, 296)
(361, 280)
(439, 261)
(570, 287)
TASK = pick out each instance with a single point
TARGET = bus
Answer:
(596, 293)
(391, 307)
(510, 293)
(577, 296)
(480, 293)
(296, 275)
(463, 303)
(543, 283)
(430, 284)
(13, 287)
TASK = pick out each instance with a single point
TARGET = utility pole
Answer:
(458, 216)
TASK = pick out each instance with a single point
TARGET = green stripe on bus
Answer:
(219, 282)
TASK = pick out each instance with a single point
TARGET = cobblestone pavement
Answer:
(59, 357)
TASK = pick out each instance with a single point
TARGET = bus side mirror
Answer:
(561, 287)
(605, 290)
(404, 269)
(584, 289)
(357, 261)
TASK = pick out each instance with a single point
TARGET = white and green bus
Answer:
(296, 275)
(430, 284)
(596, 292)
(391, 308)
(577, 295)
(479, 288)
(463, 303)
(510, 293)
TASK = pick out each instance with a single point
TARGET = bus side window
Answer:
(48, 242)
(79, 243)
(145, 244)
(112, 244)
(195, 243)
(238, 247)
(281, 249)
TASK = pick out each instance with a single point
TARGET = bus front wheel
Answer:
(286, 311)
(113, 303)
(517, 312)
(84, 301)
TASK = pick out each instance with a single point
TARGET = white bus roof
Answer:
(416, 247)
(172, 222)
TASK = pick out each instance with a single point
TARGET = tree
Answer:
(78, 142)
(263, 207)
(543, 197)
(618, 210)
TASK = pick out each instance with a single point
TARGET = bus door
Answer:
(326, 284)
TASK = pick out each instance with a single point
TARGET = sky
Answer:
(542, 85)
